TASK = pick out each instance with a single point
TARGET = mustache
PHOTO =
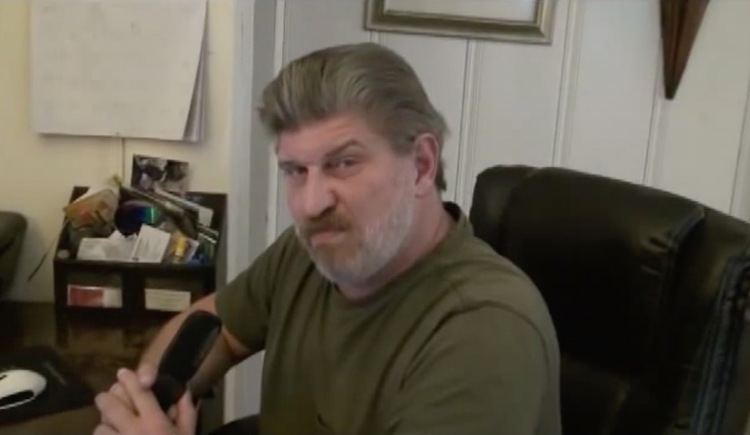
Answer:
(327, 222)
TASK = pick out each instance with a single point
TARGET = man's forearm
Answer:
(226, 351)
(152, 354)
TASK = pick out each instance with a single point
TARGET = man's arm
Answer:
(130, 407)
(247, 305)
(226, 352)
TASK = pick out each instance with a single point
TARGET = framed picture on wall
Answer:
(528, 21)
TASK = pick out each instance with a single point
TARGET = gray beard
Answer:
(381, 242)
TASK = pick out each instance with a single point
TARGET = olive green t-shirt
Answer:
(459, 344)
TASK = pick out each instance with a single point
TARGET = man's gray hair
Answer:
(367, 79)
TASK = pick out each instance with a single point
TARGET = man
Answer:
(379, 312)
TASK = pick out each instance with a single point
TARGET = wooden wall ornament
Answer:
(680, 21)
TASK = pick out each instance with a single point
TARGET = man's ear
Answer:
(426, 159)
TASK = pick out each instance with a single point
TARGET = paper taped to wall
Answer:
(125, 68)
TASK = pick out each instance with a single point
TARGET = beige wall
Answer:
(37, 172)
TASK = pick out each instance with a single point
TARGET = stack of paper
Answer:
(127, 68)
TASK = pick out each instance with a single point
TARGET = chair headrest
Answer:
(601, 249)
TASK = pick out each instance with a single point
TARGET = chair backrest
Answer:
(646, 289)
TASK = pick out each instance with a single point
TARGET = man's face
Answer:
(351, 197)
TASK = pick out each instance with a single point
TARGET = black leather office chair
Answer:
(647, 291)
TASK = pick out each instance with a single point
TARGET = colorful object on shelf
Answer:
(132, 214)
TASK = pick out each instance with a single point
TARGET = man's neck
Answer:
(431, 225)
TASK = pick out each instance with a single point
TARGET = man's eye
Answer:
(342, 164)
(345, 163)
(293, 171)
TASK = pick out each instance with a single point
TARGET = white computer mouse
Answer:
(19, 386)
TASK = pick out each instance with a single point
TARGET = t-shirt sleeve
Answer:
(482, 372)
(244, 305)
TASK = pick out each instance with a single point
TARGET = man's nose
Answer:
(317, 196)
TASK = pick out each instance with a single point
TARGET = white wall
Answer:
(593, 100)
(37, 172)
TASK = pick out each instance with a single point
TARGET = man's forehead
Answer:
(322, 138)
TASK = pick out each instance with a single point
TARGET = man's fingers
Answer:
(142, 398)
(118, 391)
(146, 374)
(172, 412)
(187, 414)
(103, 429)
(114, 412)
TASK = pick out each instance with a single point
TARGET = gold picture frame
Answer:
(526, 21)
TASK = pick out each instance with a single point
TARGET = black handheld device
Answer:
(184, 355)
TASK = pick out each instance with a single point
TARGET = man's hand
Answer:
(129, 407)
(146, 376)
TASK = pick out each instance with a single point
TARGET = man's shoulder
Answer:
(280, 261)
(471, 266)
(474, 276)
(287, 251)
